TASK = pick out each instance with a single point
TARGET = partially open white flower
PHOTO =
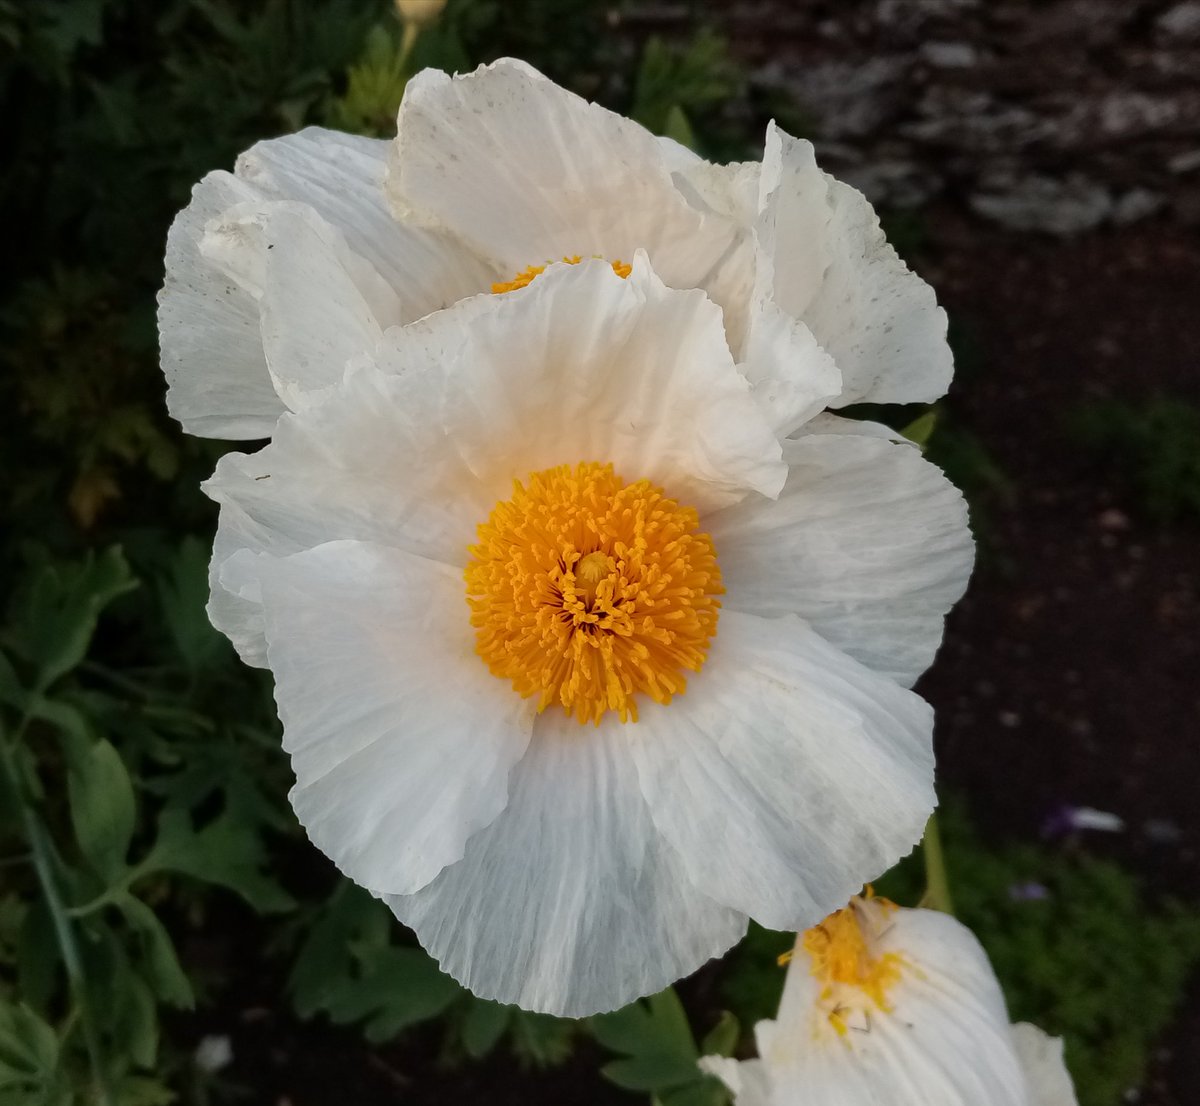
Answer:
(887, 1005)
(566, 505)
(279, 273)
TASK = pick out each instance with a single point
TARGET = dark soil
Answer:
(1069, 674)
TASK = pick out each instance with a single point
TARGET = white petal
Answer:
(829, 423)
(569, 903)
(869, 542)
(400, 738)
(944, 1042)
(527, 172)
(1041, 1058)
(217, 380)
(584, 366)
(824, 259)
(342, 177)
(788, 774)
(371, 463)
(320, 304)
(793, 377)
(731, 190)
(747, 1079)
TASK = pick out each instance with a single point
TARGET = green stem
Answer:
(411, 33)
(42, 856)
(110, 896)
(937, 886)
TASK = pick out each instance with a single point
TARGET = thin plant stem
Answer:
(937, 885)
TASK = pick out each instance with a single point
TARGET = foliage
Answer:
(1075, 961)
(659, 1054)
(1154, 445)
(108, 828)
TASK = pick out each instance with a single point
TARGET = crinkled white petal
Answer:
(217, 380)
(342, 177)
(730, 192)
(944, 1042)
(868, 542)
(569, 903)
(747, 1079)
(209, 324)
(823, 259)
(1041, 1058)
(793, 377)
(371, 463)
(320, 304)
(526, 172)
(788, 774)
(582, 365)
(401, 741)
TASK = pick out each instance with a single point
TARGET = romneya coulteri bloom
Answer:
(581, 659)
(883, 1004)
(317, 242)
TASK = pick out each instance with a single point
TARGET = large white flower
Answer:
(281, 272)
(886, 1005)
(575, 729)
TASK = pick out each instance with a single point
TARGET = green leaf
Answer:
(709, 1091)
(397, 987)
(656, 1027)
(102, 808)
(227, 852)
(921, 429)
(625, 1030)
(722, 1039)
(350, 918)
(29, 1048)
(678, 127)
(670, 1023)
(483, 1026)
(651, 1072)
(166, 977)
(138, 1016)
(542, 1039)
(56, 614)
(182, 595)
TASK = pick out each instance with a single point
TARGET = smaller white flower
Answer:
(887, 1005)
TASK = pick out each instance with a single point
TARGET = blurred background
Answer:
(166, 933)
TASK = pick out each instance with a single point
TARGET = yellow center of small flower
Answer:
(587, 591)
(526, 276)
(844, 955)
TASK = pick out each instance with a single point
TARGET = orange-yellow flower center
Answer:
(526, 276)
(844, 953)
(587, 591)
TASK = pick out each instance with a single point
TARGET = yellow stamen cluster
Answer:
(843, 954)
(526, 276)
(587, 591)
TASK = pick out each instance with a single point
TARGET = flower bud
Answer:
(420, 13)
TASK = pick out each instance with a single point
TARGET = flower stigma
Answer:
(588, 591)
(845, 959)
(527, 275)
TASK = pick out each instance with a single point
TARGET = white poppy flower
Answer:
(732, 617)
(281, 272)
(883, 1004)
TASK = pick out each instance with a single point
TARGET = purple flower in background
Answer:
(1029, 891)
(1071, 819)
